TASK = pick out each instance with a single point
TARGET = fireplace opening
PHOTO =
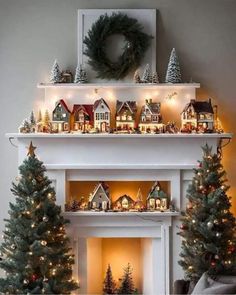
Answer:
(118, 253)
(118, 195)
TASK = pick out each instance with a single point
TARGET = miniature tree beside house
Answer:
(147, 75)
(80, 75)
(173, 74)
(55, 73)
(36, 253)
(208, 227)
(137, 78)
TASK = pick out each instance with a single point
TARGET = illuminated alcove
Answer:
(117, 252)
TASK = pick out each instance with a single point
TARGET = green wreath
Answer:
(137, 43)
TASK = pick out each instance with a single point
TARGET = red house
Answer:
(82, 117)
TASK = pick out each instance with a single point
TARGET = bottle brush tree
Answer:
(173, 74)
(55, 76)
(208, 227)
(35, 251)
(109, 285)
(127, 284)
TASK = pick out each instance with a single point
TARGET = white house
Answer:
(102, 115)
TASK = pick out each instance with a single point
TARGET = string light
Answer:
(45, 218)
(33, 225)
(30, 253)
(43, 243)
(41, 258)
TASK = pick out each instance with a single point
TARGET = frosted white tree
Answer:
(55, 73)
(32, 118)
(155, 78)
(173, 74)
(147, 74)
(32, 122)
(80, 75)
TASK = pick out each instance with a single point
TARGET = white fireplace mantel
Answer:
(122, 157)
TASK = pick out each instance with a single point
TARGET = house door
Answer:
(103, 127)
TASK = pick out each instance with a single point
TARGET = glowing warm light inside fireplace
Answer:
(117, 252)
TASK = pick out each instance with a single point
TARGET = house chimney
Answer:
(210, 101)
(192, 101)
(150, 100)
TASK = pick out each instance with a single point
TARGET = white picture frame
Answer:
(146, 17)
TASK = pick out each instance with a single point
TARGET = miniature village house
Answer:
(198, 115)
(61, 117)
(151, 119)
(125, 115)
(102, 115)
(82, 118)
(100, 199)
(157, 198)
(123, 203)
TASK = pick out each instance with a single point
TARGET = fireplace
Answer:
(116, 252)
(76, 163)
(102, 238)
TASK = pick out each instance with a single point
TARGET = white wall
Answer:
(33, 33)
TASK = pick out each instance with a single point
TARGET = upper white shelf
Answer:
(108, 135)
(118, 85)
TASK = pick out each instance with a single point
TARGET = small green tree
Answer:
(109, 285)
(127, 284)
(208, 227)
(36, 252)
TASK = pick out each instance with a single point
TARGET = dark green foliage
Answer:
(109, 285)
(137, 44)
(127, 285)
(36, 253)
(208, 226)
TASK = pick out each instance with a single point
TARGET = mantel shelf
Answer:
(128, 136)
(115, 214)
(119, 85)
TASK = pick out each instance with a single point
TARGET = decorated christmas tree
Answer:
(80, 75)
(35, 251)
(127, 285)
(55, 73)
(173, 74)
(109, 285)
(208, 227)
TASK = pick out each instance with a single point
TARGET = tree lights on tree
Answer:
(207, 225)
(29, 252)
